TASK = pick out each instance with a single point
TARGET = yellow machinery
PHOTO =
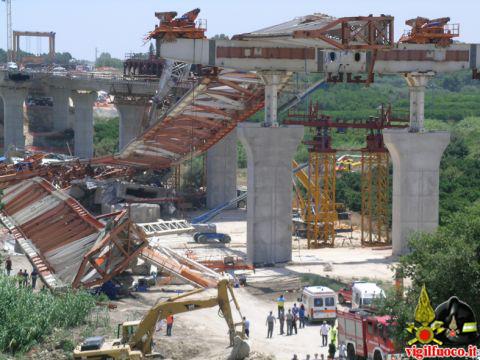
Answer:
(135, 338)
(374, 188)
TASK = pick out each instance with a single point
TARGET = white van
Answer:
(363, 294)
(320, 303)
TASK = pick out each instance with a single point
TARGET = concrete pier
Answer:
(222, 171)
(272, 81)
(270, 152)
(417, 83)
(131, 115)
(83, 128)
(61, 100)
(13, 99)
(416, 162)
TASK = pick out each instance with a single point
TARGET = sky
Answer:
(119, 26)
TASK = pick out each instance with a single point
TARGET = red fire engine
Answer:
(364, 335)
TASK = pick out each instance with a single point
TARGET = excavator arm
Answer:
(190, 301)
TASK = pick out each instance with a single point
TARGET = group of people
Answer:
(294, 315)
(23, 278)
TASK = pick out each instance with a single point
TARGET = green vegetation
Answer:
(316, 280)
(439, 260)
(26, 318)
(105, 138)
(452, 103)
(105, 59)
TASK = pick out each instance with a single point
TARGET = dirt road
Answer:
(207, 325)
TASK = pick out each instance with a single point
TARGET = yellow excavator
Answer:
(135, 338)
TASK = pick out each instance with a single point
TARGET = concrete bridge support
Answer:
(13, 99)
(222, 171)
(416, 162)
(417, 83)
(83, 128)
(270, 152)
(131, 116)
(272, 81)
(61, 100)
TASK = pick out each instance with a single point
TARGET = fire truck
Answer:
(364, 335)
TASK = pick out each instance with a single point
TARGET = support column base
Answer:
(416, 163)
(270, 151)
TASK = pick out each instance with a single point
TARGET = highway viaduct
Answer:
(346, 50)
(131, 99)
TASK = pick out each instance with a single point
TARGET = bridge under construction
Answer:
(204, 92)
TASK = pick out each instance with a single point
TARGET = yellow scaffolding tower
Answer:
(374, 188)
(321, 213)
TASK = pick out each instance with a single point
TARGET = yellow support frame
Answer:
(321, 213)
(375, 229)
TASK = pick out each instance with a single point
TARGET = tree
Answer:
(151, 50)
(63, 58)
(105, 59)
(446, 261)
(220, 37)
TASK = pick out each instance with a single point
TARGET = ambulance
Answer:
(320, 303)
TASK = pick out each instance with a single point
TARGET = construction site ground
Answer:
(341, 264)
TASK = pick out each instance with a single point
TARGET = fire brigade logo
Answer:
(452, 322)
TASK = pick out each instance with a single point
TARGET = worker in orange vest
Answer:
(169, 325)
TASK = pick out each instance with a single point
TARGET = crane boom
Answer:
(8, 4)
(135, 341)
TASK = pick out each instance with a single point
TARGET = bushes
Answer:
(27, 317)
(106, 136)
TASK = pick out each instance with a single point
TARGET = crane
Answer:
(8, 4)
(134, 340)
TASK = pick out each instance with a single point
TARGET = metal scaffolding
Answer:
(375, 229)
(321, 213)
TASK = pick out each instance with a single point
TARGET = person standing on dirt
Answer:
(301, 316)
(169, 325)
(289, 319)
(324, 329)
(270, 323)
(295, 309)
(281, 320)
(281, 304)
(33, 277)
(294, 323)
(246, 326)
(8, 265)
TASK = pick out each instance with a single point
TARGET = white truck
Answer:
(364, 293)
(320, 303)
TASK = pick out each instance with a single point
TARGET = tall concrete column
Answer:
(131, 115)
(13, 99)
(222, 171)
(272, 81)
(61, 104)
(270, 152)
(83, 128)
(417, 82)
(416, 162)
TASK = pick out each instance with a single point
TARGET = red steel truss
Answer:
(67, 245)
